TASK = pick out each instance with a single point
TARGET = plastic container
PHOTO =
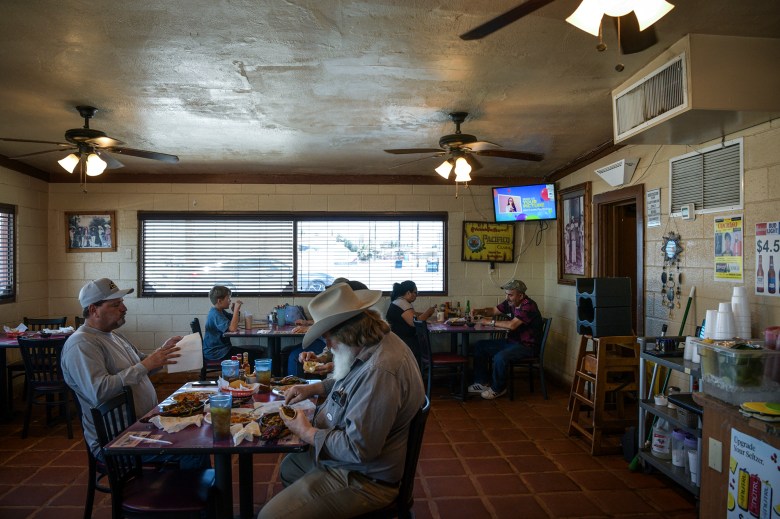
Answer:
(661, 446)
(739, 375)
(678, 448)
(230, 370)
(689, 444)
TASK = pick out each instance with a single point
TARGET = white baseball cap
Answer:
(101, 289)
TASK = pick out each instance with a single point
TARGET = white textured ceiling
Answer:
(286, 89)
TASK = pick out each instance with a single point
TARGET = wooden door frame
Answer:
(601, 203)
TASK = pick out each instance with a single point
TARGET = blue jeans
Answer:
(501, 351)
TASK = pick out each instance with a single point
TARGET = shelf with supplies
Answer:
(665, 352)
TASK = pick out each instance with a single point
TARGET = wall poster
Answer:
(754, 478)
(488, 241)
(728, 248)
(767, 249)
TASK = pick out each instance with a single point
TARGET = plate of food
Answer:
(456, 321)
(201, 396)
(289, 380)
(238, 415)
(183, 408)
(272, 427)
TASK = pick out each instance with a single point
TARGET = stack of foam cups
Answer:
(725, 328)
(741, 311)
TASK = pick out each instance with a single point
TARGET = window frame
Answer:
(11, 257)
(295, 218)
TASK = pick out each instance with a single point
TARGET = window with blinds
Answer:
(711, 179)
(7, 253)
(185, 254)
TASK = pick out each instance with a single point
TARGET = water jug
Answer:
(661, 446)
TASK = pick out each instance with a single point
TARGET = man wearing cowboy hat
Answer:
(358, 436)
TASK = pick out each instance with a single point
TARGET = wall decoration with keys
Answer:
(671, 276)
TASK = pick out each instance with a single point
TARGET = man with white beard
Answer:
(358, 436)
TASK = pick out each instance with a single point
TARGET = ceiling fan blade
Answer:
(111, 162)
(104, 142)
(482, 145)
(41, 152)
(8, 139)
(632, 40)
(413, 150)
(145, 154)
(505, 19)
(509, 154)
(417, 160)
(475, 164)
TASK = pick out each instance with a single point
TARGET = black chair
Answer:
(532, 363)
(208, 365)
(45, 383)
(402, 506)
(457, 364)
(136, 492)
(96, 472)
(78, 321)
(16, 368)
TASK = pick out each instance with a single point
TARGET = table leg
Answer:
(245, 486)
(224, 482)
(6, 411)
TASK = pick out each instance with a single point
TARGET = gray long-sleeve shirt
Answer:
(96, 365)
(364, 423)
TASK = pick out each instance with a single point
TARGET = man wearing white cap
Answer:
(358, 436)
(97, 361)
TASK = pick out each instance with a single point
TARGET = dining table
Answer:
(199, 440)
(460, 333)
(9, 342)
(270, 337)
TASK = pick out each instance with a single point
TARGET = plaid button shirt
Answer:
(530, 332)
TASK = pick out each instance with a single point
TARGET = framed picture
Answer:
(573, 233)
(90, 231)
(488, 241)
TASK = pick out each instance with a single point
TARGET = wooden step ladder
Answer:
(604, 392)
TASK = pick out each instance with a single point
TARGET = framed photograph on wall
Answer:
(488, 241)
(93, 231)
(573, 233)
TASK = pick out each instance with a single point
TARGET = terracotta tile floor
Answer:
(479, 459)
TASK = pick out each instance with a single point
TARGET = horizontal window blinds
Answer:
(7, 252)
(710, 179)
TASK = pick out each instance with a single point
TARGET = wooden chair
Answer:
(208, 365)
(175, 493)
(41, 359)
(533, 363)
(402, 506)
(430, 361)
(16, 368)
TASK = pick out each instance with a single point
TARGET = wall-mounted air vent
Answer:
(701, 88)
(618, 173)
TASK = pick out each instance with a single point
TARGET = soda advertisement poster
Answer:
(767, 255)
(728, 248)
(754, 478)
(487, 241)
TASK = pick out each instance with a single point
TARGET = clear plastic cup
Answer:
(263, 371)
(220, 406)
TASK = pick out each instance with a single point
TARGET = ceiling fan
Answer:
(460, 150)
(91, 148)
(634, 19)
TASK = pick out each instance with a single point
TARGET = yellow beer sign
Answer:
(488, 241)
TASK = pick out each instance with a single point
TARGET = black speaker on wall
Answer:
(604, 306)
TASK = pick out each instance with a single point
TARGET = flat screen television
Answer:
(523, 203)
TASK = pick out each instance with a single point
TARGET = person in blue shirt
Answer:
(219, 321)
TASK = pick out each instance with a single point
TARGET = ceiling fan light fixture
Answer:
(462, 170)
(95, 165)
(69, 163)
(444, 169)
(618, 7)
(587, 16)
(650, 11)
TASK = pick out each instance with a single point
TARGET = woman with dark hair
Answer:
(401, 313)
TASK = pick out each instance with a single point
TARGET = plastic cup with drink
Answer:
(220, 405)
(263, 371)
(248, 322)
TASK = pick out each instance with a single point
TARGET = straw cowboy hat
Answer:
(334, 306)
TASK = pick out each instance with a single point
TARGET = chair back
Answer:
(195, 327)
(405, 498)
(41, 359)
(111, 418)
(78, 321)
(547, 324)
(37, 325)
(424, 354)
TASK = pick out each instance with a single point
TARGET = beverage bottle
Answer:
(246, 366)
(458, 311)
(468, 308)
(760, 276)
(771, 282)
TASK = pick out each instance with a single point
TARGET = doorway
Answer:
(619, 241)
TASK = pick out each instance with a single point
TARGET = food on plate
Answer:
(239, 384)
(287, 411)
(310, 366)
(281, 390)
(240, 417)
(193, 396)
(289, 380)
(183, 408)
(272, 427)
